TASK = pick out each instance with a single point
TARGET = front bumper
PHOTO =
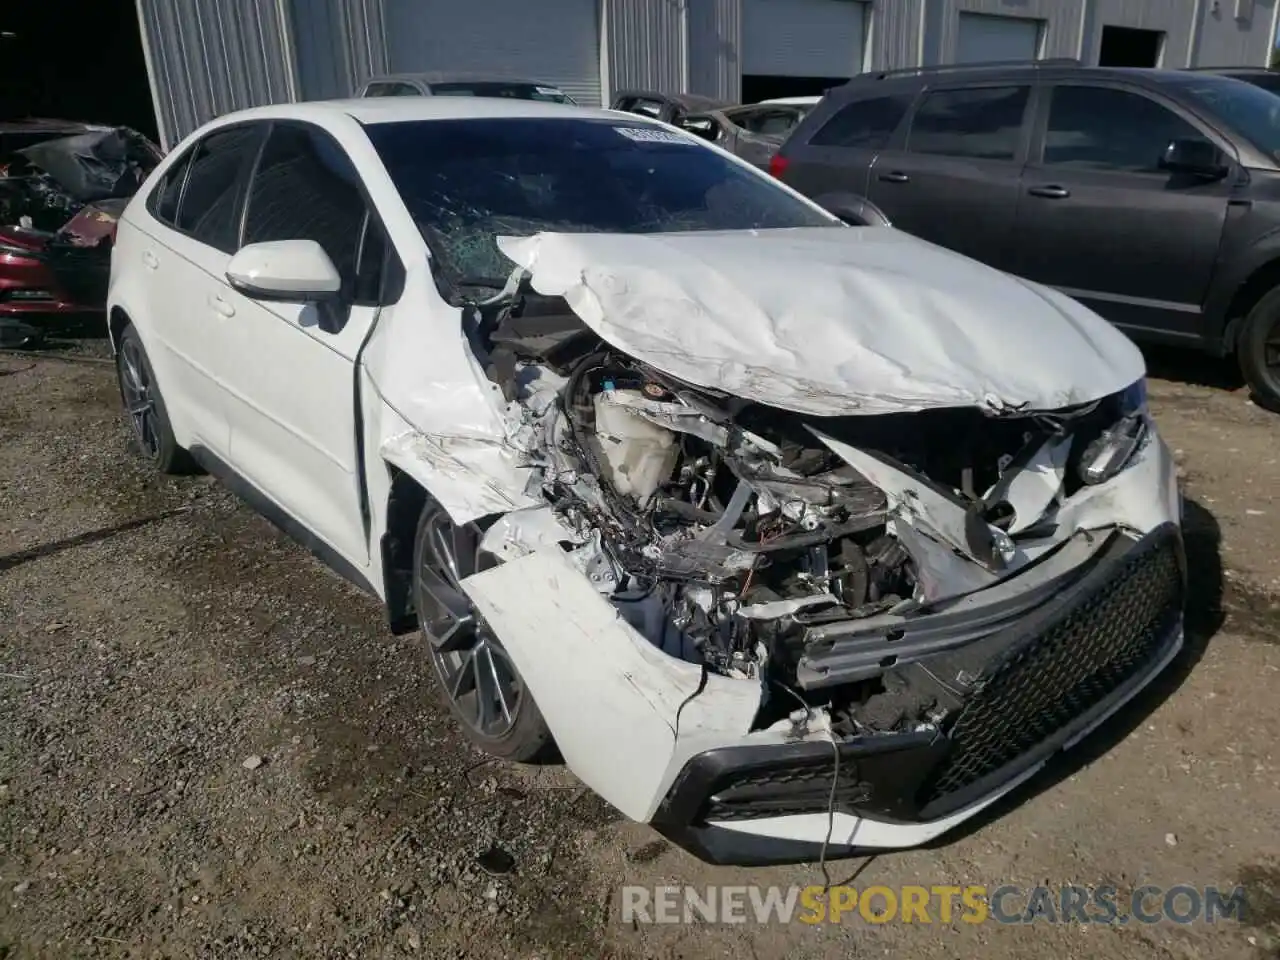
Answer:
(1040, 684)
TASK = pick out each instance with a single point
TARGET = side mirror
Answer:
(292, 271)
(1196, 157)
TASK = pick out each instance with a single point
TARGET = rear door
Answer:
(195, 213)
(291, 393)
(955, 179)
(1101, 221)
(835, 155)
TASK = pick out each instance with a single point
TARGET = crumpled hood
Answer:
(832, 321)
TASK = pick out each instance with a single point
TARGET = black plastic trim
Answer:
(279, 517)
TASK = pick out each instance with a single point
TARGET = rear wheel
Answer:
(143, 405)
(474, 674)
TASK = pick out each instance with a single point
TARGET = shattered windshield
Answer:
(467, 182)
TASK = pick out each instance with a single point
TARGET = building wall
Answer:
(209, 57)
(1235, 32)
(1063, 22)
(338, 45)
(715, 48)
(645, 45)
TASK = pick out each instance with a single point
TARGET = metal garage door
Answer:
(803, 38)
(983, 38)
(556, 41)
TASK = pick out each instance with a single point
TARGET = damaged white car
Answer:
(793, 537)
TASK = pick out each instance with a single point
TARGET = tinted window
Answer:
(163, 202)
(867, 124)
(467, 181)
(1249, 110)
(210, 203)
(306, 188)
(984, 123)
(1106, 129)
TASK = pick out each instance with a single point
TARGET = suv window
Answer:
(867, 124)
(984, 123)
(1102, 128)
(211, 200)
(306, 188)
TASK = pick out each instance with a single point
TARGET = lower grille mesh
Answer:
(1042, 684)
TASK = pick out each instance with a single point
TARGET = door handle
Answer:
(1050, 192)
(895, 176)
(150, 260)
(221, 307)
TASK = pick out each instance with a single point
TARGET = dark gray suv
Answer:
(1152, 196)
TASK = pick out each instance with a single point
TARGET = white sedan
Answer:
(794, 538)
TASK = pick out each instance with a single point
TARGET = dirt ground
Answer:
(158, 640)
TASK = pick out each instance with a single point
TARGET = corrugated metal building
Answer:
(207, 57)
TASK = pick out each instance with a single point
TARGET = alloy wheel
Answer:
(139, 398)
(476, 673)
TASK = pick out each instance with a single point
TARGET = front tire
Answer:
(144, 406)
(474, 674)
(1258, 350)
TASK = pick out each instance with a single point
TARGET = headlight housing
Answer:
(1113, 449)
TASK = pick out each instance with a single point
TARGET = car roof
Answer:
(439, 76)
(368, 110)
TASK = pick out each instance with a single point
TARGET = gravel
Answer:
(212, 747)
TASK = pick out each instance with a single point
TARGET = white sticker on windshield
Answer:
(653, 135)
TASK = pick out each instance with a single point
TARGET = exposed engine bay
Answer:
(737, 535)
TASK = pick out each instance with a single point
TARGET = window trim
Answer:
(242, 182)
(1030, 112)
(153, 198)
(1035, 156)
(391, 286)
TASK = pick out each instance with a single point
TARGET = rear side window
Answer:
(306, 188)
(163, 202)
(864, 124)
(210, 202)
(982, 123)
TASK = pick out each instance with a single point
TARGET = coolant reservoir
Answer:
(640, 455)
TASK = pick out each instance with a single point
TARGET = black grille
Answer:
(802, 786)
(1042, 683)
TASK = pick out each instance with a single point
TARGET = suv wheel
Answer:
(1258, 350)
(143, 405)
(475, 676)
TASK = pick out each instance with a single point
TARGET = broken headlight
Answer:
(1113, 449)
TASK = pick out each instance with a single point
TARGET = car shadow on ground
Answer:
(1191, 367)
(1203, 618)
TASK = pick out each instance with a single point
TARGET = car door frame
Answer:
(165, 354)
(247, 479)
(899, 144)
(1034, 164)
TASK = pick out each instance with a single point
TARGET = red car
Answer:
(62, 187)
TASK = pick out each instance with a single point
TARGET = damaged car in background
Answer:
(794, 538)
(63, 186)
